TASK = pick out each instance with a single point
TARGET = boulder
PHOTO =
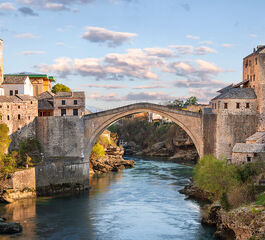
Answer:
(10, 228)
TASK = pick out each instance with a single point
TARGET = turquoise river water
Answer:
(142, 203)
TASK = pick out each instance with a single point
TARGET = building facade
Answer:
(18, 111)
(14, 85)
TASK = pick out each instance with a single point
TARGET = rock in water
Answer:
(10, 228)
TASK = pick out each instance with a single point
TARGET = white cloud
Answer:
(253, 35)
(26, 36)
(159, 52)
(7, 6)
(149, 87)
(102, 35)
(206, 42)
(28, 53)
(192, 37)
(191, 50)
(92, 85)
(227, 45)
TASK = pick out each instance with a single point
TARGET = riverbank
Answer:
(242, 223)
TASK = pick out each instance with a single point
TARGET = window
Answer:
(75, 112)
(7, 106)
(256, 60)
(31, 102)
(11, 93)
(41, 114)
(63, 112)
(246, 63)
(237, 105)
(225, 105)
(250, 78)
(75, 102)
(8, 118)
(63, 102)
(247, 105)
(248, 159)
(0, 106)
(18, 116)
(254, 77)
(16, 92)
(249, 62)
(28, 117)
(18, 107)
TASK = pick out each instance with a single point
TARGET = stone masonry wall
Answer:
(232, 129)
(61, 136)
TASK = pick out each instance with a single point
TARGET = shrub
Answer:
(261, 199)
(8, 165)
(97, 151)
(214, 175)
(4, 138)
(239, 195)
(246, 172)
(224, 201)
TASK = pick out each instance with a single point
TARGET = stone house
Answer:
(69, 104)
(61, 104)
(14, 85)
(18, 111)
(40, 82)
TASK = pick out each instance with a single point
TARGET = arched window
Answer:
(18, 116)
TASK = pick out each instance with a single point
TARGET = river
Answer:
(142, 203)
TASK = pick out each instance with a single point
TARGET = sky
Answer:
(125, 51)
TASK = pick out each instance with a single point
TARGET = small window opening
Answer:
(18, 116)
(247, 105)
(225, 105)
(249, 159)
(237, 105)
(63, 102)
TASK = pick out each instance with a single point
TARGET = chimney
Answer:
(1, 62)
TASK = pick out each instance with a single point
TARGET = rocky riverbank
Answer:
(243, 223)
(111, 162)
(9, 227)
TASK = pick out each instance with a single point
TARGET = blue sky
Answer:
(125, 51)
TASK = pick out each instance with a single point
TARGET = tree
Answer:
(59, 87)
(97, 151)
(4, 138)
(191, 101)
(215, 175)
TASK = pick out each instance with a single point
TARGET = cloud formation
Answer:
(26, 11)
(7, 6)
(159, 52)
(102, 35)
(191, 50)
(26, 36)
(93, 85)
(28, 53)
(193, 37)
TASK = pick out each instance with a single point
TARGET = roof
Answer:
(257, 137)
(227, 88)
(248, 148)
(17, 98)
(10, 79)
(45, 104)
(260, 49)
(45, 95)
(70, 94)
(237, 93)
(31, 75)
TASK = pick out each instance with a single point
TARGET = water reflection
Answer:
(140, 203)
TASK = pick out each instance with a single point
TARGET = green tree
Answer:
(177, 103)
(215, 175)
(4, 138)
(59, 87)
(191, 101)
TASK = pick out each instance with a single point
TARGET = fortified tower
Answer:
(254, 77)
(1, 62)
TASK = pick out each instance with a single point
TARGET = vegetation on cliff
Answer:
(232, 185)
(27, 155)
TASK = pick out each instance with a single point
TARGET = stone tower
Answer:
(1, 62)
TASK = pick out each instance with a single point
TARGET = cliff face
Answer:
(111, 162)
(243, 223)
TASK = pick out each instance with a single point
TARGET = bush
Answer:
(246, 172)
(239, 195)
(215, 176)
(97, 151)
(261, 199)
(8, 165)
(4, 138)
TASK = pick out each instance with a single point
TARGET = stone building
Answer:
(40, 82)
(18, 111)
(14, 85)
(61, 104)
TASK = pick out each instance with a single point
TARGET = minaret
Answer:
(1, 62)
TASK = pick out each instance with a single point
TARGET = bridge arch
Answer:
(95, 124)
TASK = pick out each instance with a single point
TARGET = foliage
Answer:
(59, 87)
(29, 153)
(224, 201)
(103, 141)
(177, 103)
(8, 165)
(261, 199)
(246, 172)
(191, 101)
(97, 151)
(215, 175)
(4, 138)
